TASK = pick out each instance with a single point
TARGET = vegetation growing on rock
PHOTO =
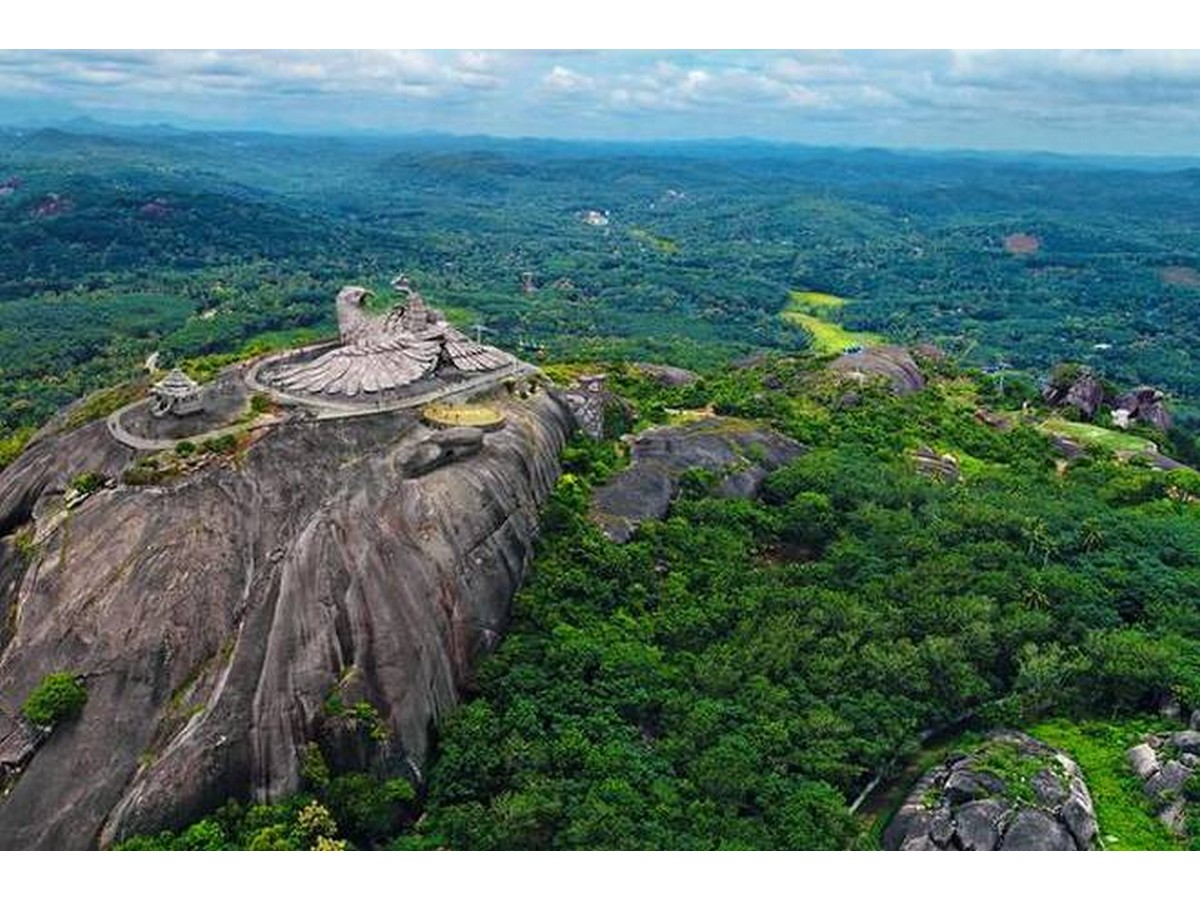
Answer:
(58, 697)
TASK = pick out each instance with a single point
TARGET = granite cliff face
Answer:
(225, 621)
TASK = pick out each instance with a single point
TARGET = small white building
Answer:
(176, 394)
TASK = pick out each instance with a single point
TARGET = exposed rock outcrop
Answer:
(1075, 387)
(669, 376)
(893, 363)
(738, 453)
(1143, 404)
(1166, 764)
(213, 618)
(441, 448)
(940, 466)
(1012, 793)
(592, 402)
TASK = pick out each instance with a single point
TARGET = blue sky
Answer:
(1067, 101)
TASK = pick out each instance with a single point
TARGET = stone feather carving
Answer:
(386, 352)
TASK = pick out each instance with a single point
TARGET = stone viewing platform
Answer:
(407, 358)
(469, 415)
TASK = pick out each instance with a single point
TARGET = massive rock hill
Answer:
(225, 621)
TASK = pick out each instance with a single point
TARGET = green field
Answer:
(654, 241)
(813, 301)
(1100, 438)
(1126, 820)
(810, 310)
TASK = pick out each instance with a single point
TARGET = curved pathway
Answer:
(321, 409)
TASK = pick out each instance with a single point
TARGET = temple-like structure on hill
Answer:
(176, 394)
(382, 353)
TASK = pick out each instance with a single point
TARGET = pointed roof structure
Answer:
(176, 384)
(177, 394)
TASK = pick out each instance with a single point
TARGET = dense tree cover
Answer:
(121, 242)
(735, 674)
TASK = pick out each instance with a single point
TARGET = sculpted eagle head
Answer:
(352, 295)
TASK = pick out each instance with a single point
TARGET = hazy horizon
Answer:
(1096, 103)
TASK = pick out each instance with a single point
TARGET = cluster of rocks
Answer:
(740, 454)
(940, 466)
(994, 420)
(1037, 800)
(1165, 763)
(892, 363)
(444, 446)
(590, 400)
(1080, 389)
(1142, 404)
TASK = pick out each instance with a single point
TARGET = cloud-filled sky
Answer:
(1068, 101)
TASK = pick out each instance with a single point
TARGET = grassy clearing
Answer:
(810, 310)
(1100, 438)
(813, 301)
(654, 241)
(829, 337)
(100, 403)
(1125, 816)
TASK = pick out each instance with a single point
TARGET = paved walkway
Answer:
(322, 409)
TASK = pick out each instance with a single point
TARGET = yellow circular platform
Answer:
(443, 415)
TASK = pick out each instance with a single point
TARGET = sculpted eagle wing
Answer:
(471, 356)
(384, 352)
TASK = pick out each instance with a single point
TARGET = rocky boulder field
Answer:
(1167, 765)
(1011, 793)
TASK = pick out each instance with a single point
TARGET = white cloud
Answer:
(560, 79)
(980, 97)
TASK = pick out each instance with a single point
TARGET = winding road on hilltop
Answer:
(321, 409)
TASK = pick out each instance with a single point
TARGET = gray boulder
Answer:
(460, 436)
(1036, 829)
(1168, 781)
(1174, 816)
(1143, 760)
(965, 784)
(893, 364)
(1176, 761)
(1080, 816)
(1186, 741)
(1049, 788)
(979, 824)
(1078, 388)
(669, 376)
(1145, 404)
(739, 453)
